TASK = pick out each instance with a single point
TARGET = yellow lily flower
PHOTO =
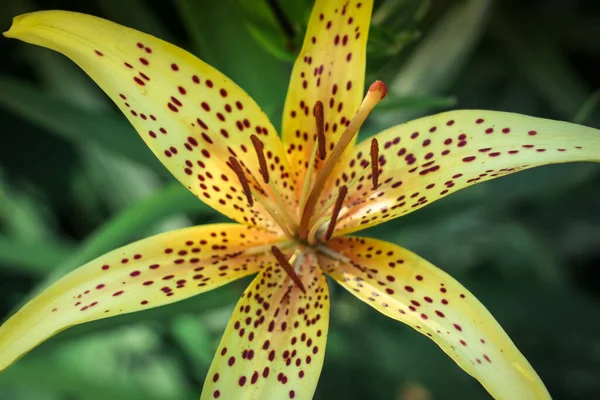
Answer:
(295, 199)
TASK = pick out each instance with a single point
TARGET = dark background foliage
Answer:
(75, 181)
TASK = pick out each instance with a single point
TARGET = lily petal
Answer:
(424, 160)
(329, 68)
(274, 345)
(159, 270)
(403, 286)
(190, 115)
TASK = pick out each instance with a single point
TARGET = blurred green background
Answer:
(76, 181)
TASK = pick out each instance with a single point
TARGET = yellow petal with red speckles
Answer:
(424, 160)
(329, 68)
(159, 270)
(274, 345)
(190, 115)
(403, 286)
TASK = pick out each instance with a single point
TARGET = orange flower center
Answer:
(315, 226)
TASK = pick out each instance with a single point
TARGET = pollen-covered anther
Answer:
(284, 263)
(320, 119)
(262, 161)
(336, 212)
(376, 92)
(237, 168)
(375, 163)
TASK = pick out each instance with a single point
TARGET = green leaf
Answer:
(195, 339)
(403, 14)
(275, 37)
(45, 375)
(382, 44)
(539, 58)
(437, 58)
(23, 214)
(394, 103)
(172, 199)
(36, 258)
(443, 51)
(72, 123)
(587, 108)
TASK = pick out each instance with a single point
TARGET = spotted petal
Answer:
(274, 345)
(426, 159)
(159, 270)
(190, 115)
(329, 68)
(403, 286)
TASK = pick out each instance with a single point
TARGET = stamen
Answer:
(320, 146)
(375, 163)
(264, 171)
(279, 220)
(329, 203)
(261, 250)
(319, 116)
(333, 254)
(237, 168)
(377, 91)
(283, 262)
(262, 161)
(336, 212)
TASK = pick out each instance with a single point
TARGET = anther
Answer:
(262, 161)
(320, 118)
(376, 92)
(237, 168)
(375, 163)
(284, 263)
(336, 211)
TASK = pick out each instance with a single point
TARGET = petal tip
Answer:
(17, 27)
(10, 33)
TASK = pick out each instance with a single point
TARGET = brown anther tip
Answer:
(262, 161)
(237, 168)
(375, 163)
(336, 212)
(320, 117)
(378, 86)
(284, 263)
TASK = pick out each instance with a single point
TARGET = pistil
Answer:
(376, 92)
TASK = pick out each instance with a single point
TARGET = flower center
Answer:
(311, 231)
